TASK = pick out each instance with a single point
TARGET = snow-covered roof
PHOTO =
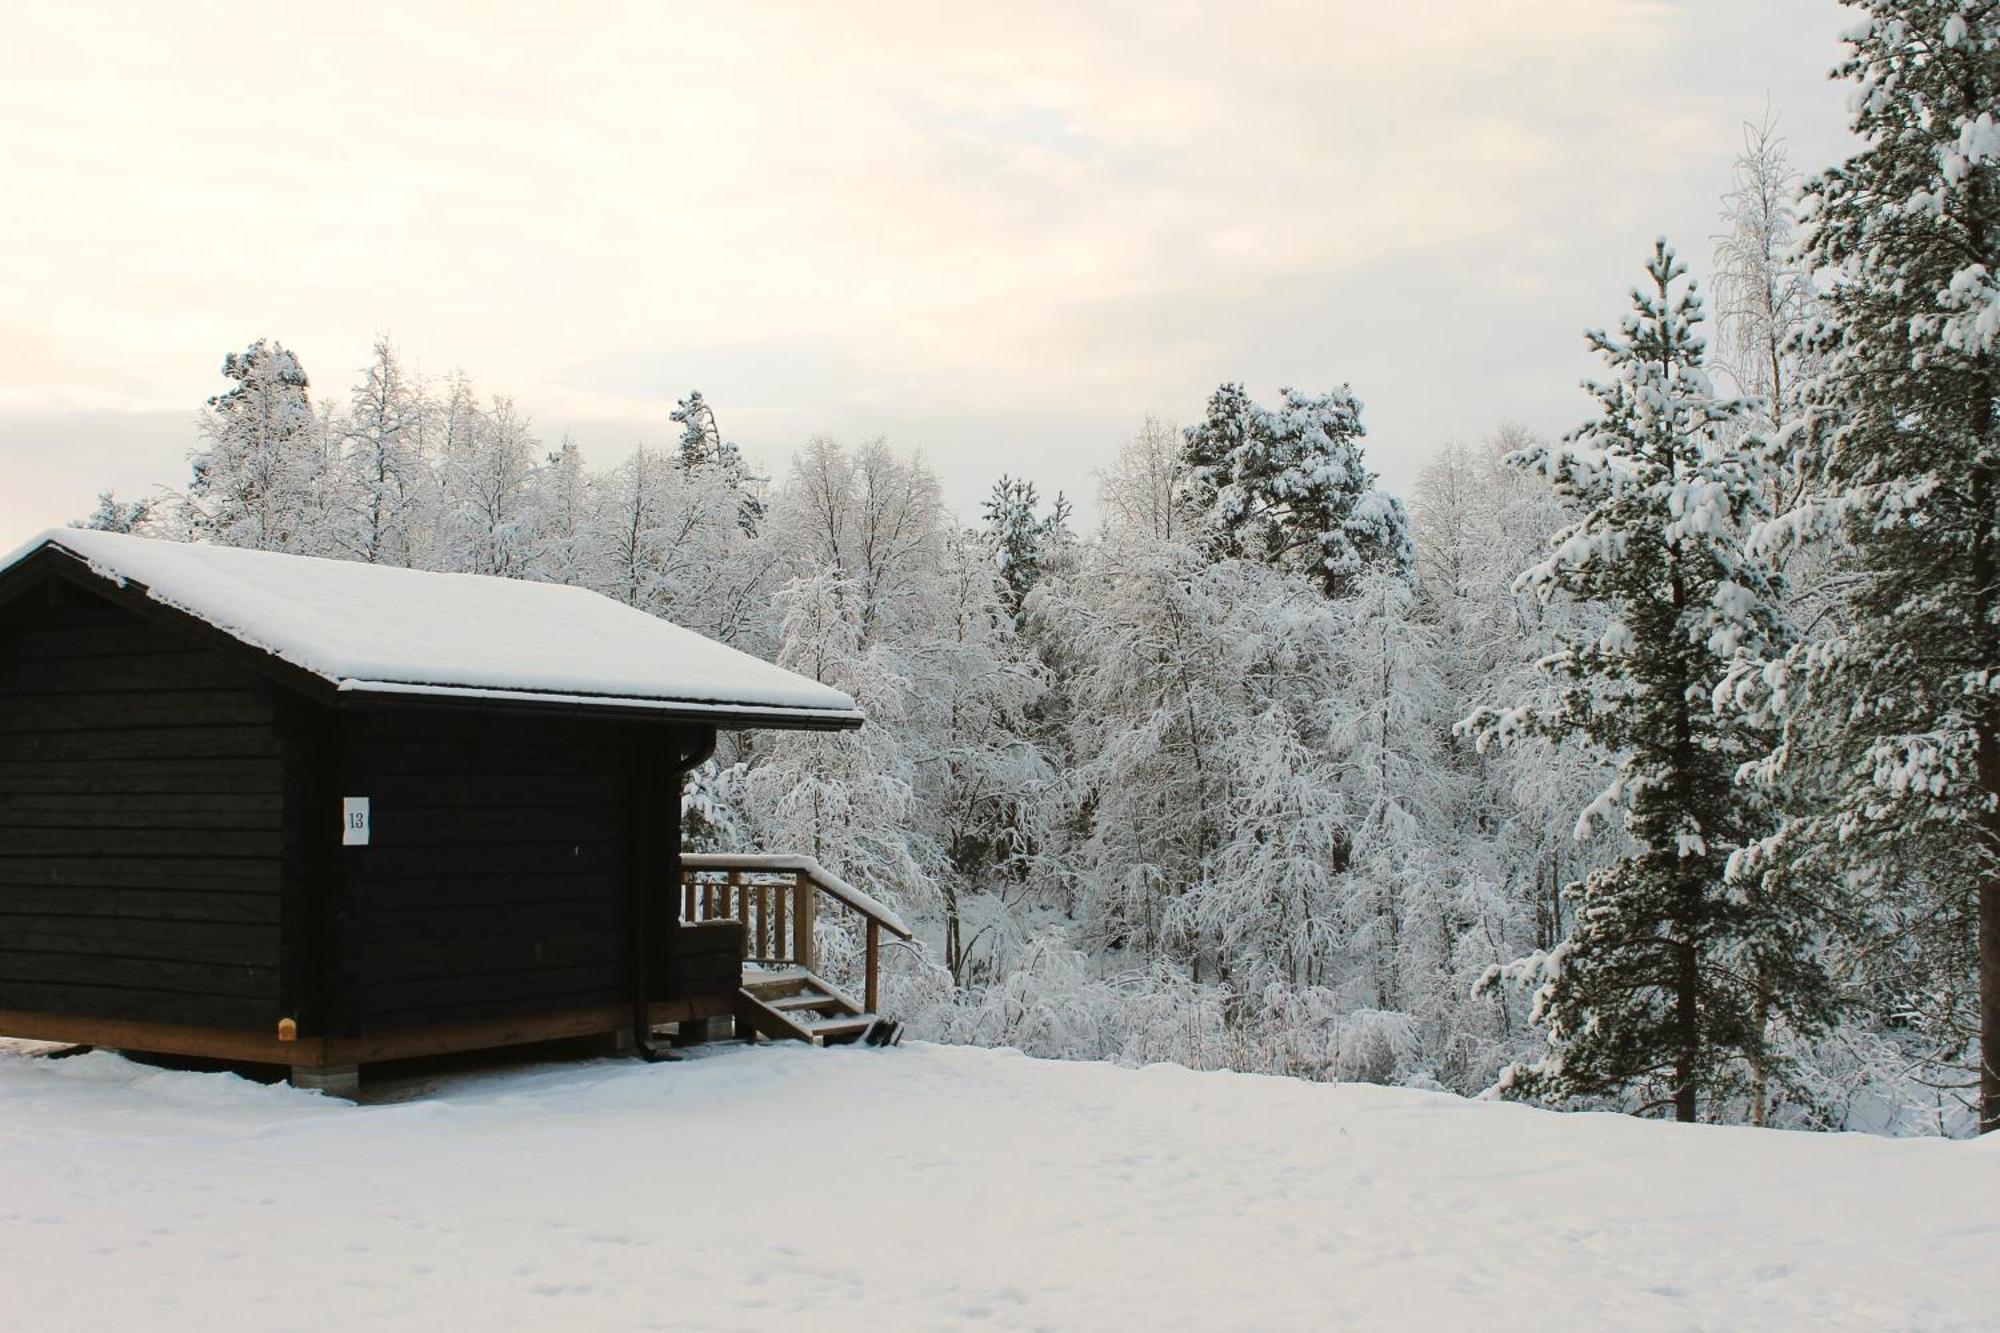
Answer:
(375, 629)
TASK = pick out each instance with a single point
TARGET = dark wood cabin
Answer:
(264, 808)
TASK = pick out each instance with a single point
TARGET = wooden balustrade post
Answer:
(874, 990)
(742, 906)
(802, 921)
(780, 900)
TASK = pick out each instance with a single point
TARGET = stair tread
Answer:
(758, 982)
(810, 1000)
(844, 1023)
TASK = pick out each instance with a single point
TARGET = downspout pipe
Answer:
(659, 868)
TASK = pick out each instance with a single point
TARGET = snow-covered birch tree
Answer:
(382, 463)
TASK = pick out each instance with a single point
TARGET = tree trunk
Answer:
(1989, 1003)
(1760, 1062)
(954, 953)
(1687, 1021)
(1987, 756)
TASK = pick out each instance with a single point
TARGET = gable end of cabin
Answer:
(143, 817)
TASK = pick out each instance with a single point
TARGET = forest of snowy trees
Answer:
(1655, 768)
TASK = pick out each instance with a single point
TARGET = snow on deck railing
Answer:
(783, 863)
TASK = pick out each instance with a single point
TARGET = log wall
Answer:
(141, 821)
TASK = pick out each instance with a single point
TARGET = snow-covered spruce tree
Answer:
(255, 472)
(1290, 487)
(1656, 994)
(1019, 533)
(1894, 720)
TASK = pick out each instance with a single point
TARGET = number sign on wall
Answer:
(354, 821)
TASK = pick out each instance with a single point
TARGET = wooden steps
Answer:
(798, 1005)
(847, 1027)
(803, 1000)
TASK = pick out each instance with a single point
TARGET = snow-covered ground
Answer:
(943, 1187)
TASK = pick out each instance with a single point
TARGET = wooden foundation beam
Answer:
(334, 1052)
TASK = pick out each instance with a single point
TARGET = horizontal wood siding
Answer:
(141, 822)
(497, 877)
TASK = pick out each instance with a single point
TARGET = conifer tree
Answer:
(1290, 487)
(1657, 991)
(115, 515)
(702, 448)
(1019, 535)
(701, 439)
(1894, 721)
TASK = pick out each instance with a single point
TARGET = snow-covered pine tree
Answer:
(701, 438)
(253, 476)
(115, 515)
(1895, 719)
(1657, 992)
(1290, 487)
(702, 446)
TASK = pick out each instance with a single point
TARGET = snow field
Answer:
(948, 1187)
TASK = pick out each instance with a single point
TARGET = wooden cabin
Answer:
(266, 808)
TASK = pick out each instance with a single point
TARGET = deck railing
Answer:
(777, 898)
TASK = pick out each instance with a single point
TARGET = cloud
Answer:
(1081, 212)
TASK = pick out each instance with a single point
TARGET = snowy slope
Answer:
(943, 1187)
(385, 630)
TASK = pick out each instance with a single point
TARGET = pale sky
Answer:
(1002, 234)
